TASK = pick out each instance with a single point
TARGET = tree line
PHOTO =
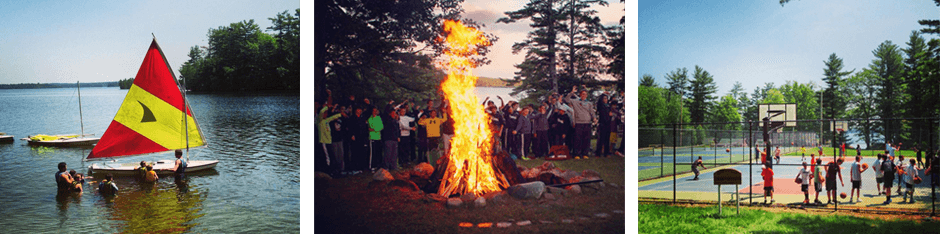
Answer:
(902, 81)
(243, 57)
(387, 49)
(56, 85)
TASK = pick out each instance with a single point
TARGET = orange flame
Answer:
(470, 168)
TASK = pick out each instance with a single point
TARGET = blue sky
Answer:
(755, 42)
(93, 41)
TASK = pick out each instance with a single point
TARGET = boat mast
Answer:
(80, 118)
(185, 116)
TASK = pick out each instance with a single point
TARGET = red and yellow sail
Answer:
(151, 117)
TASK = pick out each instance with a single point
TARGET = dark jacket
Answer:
(603, 114)
(511, 120)
(540, 121)
(391, 132)
(559, 123)
(524, 125)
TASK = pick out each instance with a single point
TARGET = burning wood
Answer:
(470, 168)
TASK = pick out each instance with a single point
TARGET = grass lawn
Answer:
(353, 205)
(673, 219)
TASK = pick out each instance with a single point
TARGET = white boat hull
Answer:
(162, 167)
(71, 142)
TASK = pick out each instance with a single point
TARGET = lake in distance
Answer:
(255, 187)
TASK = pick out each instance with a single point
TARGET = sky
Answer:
(503, 61)
(96, 41)
(755, 42)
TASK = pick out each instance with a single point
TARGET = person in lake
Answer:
(142, 170)
(151, 175)
(77, 181)
(107, 187)
(179, 167)
(62, 179)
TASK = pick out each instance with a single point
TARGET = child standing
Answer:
(768, 175)
(888, 169)
(909, 175)
(804, 176)
(879, 177)
(803, 152)
(856, 172)
(817, 175)
(900, 177)
(151, 175)
(833, 169)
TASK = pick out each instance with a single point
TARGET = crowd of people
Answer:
(69, 182)
(355, 135)
(890, 171)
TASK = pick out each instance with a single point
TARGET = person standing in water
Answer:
(179, 167)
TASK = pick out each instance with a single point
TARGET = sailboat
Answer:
(154, 117)
(4, 138)
(65, 140)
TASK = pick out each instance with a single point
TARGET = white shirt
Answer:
(877, 167)
(909, 173)
(804, 174)
(404, 123)
(856, 172)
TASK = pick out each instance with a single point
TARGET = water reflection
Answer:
(165, 206)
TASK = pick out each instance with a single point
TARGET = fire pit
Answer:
(469, 166)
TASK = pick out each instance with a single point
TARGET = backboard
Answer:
(789, 113)
(843, 125)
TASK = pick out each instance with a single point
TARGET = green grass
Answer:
(672, 219)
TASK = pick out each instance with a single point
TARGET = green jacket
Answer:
(375, 122)
(323, 127)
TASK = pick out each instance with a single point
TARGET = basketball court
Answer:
(786, 191)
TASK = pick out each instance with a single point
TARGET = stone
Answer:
(549, 196)
(576, 189)
(614, 185)
(382, 175)
(618, 211)
(454, 202)
(497, 197)
(503, 224)
(468, 197)
(523, 223)
(479, 202)
(423, 170)
(575, 179)
(549, 178)
(556, 190)
(546, 222)
(602, 215)
(567, 221)
(568, 175)
(531, 190)
(597, 185)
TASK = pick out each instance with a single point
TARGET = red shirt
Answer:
(768, 175)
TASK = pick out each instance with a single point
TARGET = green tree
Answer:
(805, 99)
(585, 36)
(888, 66)
(833, 99)
(678, 81)
(774, 96)
(702, 88)
(538, 70)
(726, 110)
(918, 92)
(370, 48)
(286, 57)
(648, 81)
(650, 101)
(863, 87)
(616, 40)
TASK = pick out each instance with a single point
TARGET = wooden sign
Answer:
(727, 176)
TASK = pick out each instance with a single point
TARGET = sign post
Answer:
(728, 176)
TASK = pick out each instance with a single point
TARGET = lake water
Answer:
(254, 188)
(493, 92)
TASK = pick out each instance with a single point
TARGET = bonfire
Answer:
(470, 161)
